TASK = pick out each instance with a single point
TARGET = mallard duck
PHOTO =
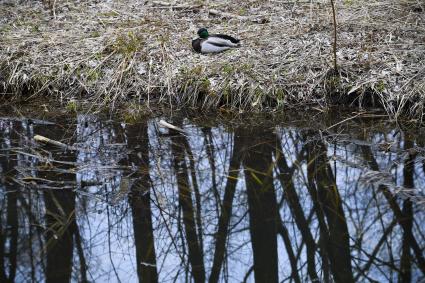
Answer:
(213, 43)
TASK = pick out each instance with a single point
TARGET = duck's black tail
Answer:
(227, 37)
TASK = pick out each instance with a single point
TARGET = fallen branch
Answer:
(45, 140)
(171, 127)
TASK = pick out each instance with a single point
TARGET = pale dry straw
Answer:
(114, 51)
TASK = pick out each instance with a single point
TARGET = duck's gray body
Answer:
(213, 43)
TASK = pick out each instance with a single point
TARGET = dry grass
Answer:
(110, 52)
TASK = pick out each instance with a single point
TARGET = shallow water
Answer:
(246, 200)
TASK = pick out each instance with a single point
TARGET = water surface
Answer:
(255, 199)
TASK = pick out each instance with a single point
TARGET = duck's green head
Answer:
(203, 33)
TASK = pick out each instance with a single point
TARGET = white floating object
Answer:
(171, 127)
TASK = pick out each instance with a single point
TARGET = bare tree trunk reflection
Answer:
(140, 203)
(3, 276)
(80, 252)
(196, 191)
(283, 232)
(323, 228)
(262, 205)
(329, 201)
(408, 172)
(186, 204)
(60, 218)
(60, 211)
(209, 148)
(291, 196)
(9, 233)
(12, 228)
(226, 208)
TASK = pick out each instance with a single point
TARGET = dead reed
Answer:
(140, 51)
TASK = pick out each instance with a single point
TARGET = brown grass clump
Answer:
(111, 51)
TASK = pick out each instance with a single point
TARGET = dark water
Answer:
(247, 200)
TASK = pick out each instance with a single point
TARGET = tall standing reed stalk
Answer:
(335, 39)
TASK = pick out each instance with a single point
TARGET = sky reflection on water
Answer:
(252, 202)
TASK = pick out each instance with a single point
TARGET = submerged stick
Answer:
(42, 139)
(171, 127)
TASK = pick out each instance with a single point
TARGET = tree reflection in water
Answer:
(257, 203)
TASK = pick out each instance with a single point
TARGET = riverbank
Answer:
(120, 51)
